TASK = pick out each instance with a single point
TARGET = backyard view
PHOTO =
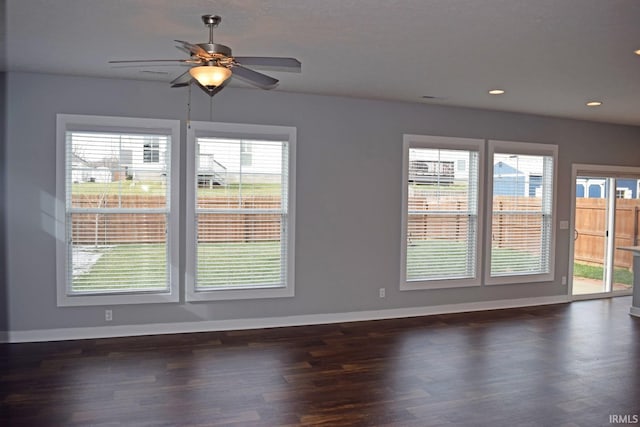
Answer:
(593, 243)
(442, 215)
(119, 197)
(118, 212)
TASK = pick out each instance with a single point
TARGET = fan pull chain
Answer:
(211, 108)
(189, 108)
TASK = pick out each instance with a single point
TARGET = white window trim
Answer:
(238, 130)
(67, 122)
(452, 143)
(521, 148)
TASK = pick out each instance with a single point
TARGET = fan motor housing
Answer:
(215, 49)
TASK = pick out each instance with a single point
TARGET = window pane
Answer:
(117, 170)
(239, 250)
(226, 178)
(114, 245)
(442, 214)
(118, 252)
(521, 224)
(241, 213)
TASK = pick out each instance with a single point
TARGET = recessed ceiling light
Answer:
(496, 92)
(594, 103)
(637, 52)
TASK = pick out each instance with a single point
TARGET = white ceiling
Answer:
(551, 56)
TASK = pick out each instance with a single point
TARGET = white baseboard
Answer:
(38, 335)
(634, 311)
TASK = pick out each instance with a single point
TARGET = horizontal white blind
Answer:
(241, 213)
(442, 214)
(117, 203)
(521, 221)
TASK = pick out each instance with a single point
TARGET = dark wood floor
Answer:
(565, 365)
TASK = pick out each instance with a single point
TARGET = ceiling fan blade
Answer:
(271, 63)
(195, 49)
(261, 80)
(182, 80)
(184, 49)
(130, 61)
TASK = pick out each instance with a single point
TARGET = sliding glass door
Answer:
(605, 219)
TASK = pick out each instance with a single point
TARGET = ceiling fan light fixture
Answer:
(210, 76)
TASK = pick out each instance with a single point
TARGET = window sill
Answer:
(119, 299)
(239, 294)
(439, 284)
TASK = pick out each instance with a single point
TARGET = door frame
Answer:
(608, 171)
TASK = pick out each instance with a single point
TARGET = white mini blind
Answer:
(442, 214)
(241, 213)
(521, 227)
(117, 211)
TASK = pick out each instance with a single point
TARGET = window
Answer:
(441, 205)
(520, 241)
(245, 153)
(117, 218)
(151, 151)
(240, 211)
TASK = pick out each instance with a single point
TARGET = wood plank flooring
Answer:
(563, 365)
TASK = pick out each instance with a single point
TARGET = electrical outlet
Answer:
(108, 315)
(564, 280)
(383, 292)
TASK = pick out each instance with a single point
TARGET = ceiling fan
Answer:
(213, 64)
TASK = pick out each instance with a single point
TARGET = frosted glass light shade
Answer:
(210, 75)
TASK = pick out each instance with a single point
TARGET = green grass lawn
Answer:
(237, 264)
(125, 188)
(127, 267)
(158, 188)
(448, 259)
(233, 190)
(620, 275)
(142, 267)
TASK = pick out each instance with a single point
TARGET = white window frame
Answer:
(238, 131)
(445, 143)
(527, 149)
(69, 122)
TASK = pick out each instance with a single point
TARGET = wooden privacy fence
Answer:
(591, 225)
(110, 228)
(509, 231)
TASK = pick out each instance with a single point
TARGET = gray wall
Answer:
(348, 162)
(4, 301)
(4, 317)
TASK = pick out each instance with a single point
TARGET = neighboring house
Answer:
(443, 167)
(521, 178)
(100, 158)
(222, 161)
(508, 181)
(431, 172)
(85, 171)
(597, 188)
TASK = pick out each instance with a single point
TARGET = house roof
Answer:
(550, 56)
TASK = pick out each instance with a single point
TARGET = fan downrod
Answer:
(211, 21)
